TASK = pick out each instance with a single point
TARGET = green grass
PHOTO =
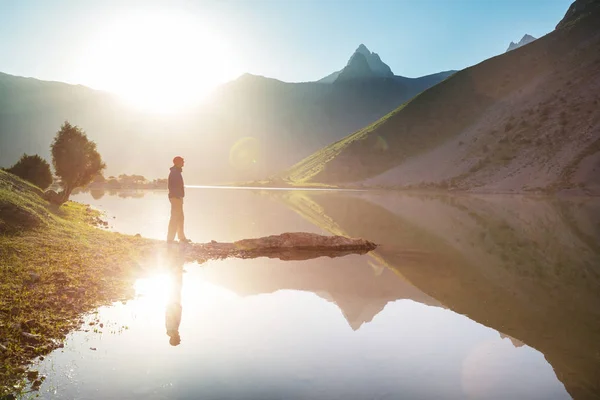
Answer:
(54, 266)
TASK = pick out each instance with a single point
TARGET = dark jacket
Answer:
(176, 183)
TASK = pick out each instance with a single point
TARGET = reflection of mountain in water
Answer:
(515, 342)
(529, 268)
(358, 290)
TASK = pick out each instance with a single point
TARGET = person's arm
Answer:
(171, 183)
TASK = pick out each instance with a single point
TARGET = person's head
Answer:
(178, 162)
(175, 339)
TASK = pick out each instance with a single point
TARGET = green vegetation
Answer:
(33, 169)
(75, 159)
(54, 266)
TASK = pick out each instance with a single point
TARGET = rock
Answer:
(213, 241)
(32, 375)
(93, 348)
(525, 40)
(305, 241)
(578, 9)
(287, 246)
(101, 325)
(42, 358)
(61, 345)
(3, 348)
(55, 198)
(31, 337)
(138, 235)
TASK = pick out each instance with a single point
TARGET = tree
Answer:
(33, 169)
(75, 159)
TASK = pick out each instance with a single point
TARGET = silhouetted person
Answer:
(174, 308)
(176, 194)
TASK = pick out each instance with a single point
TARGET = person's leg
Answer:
(180, 233)
(173, 221)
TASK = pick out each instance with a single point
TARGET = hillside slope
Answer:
(249, 128)
(525, 120)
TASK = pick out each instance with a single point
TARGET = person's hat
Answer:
(177, 159)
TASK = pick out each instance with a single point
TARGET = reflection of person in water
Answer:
(173, 311)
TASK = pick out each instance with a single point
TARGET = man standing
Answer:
(176, 194)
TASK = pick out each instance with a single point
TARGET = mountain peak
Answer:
(365, 64)
(357, 68)
(375, 67)
(526, 39)
(363, 50)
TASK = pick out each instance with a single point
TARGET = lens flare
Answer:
(245, 154)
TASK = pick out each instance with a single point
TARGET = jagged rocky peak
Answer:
(525, 40)
(355, 68)
(378, 67)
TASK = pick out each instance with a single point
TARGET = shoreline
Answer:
(57, 264)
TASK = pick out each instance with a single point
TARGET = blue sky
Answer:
(289, 40)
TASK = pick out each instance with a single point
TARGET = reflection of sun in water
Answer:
(158, 289)
(159, 62)
(155, 289)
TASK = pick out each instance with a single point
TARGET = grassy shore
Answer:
(55, 265)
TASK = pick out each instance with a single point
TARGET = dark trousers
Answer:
(176, 221)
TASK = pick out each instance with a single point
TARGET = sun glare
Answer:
(158, 62)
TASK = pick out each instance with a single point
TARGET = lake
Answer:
(486, 297)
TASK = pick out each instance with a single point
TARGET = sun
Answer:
(159, 62)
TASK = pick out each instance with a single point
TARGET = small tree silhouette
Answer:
(33, 169)
(75, 159)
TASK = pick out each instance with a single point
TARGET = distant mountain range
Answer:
(524, 121)
(524, 40)
(250, 128)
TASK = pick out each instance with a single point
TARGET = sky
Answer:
(108, 44)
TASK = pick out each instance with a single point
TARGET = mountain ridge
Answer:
(523, 121)
(252, 127)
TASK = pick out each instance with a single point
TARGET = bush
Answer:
(33, 169)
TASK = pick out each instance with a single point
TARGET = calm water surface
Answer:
(467, 297)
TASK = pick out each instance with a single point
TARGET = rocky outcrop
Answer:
(357, 68)
(287, 246)
(526, 39)
(578, 9)
(55, 198)
(364, 64)
(377, 66)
